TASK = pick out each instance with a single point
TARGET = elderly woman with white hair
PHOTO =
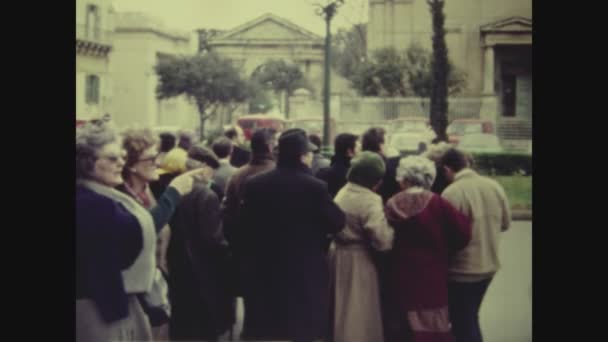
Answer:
(115, 239)
(428, 230)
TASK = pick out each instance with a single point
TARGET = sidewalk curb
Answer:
(521, 215)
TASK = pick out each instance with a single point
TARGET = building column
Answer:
(489, 100)
(488, 70)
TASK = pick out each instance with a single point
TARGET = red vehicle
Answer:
(314, 125)
(249, 123)
(80, 123)
(460, 127)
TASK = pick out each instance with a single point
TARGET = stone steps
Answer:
(514, 130)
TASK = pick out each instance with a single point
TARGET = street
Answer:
(506, 312)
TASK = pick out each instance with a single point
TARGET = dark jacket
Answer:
(108, 240)
(239, 156)
(335, 174)
(203, 307)
(158, 187)
(288, 214)
(232, 203)
(389, 186)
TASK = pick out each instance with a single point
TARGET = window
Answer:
(92, 89)
(92, 22)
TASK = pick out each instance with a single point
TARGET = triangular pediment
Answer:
(508, 25)
(268, 27)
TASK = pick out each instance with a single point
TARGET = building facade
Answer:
(94, 24)
(272, 37)
(491, 40)
(139, 42)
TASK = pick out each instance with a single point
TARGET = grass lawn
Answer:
(518, 189)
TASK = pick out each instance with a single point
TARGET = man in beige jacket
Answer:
(484, 201)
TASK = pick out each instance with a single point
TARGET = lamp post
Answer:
(327, 12)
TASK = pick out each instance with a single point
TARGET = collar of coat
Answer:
(299, 167)
(465, 173)
(261, 159)
(358, 188)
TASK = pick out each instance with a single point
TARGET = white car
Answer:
(480, 143)
(407, 141)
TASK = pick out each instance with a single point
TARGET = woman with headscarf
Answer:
(115, 240)
(428, 232)
(357, 311)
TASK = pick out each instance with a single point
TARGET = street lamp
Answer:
(327, 12)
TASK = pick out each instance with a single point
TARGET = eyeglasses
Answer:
(114, 158)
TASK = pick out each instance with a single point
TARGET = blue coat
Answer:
(108, 240)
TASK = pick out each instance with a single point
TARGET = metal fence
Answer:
(382, 109)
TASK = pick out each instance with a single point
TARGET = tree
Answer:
(207, 80)
(440, 70)
(382, 76)
(259, 101)
(280, 77)
(349, 50)
(418, 67)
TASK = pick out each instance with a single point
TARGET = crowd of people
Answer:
(359, 247)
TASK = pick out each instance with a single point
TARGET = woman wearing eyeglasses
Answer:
(115, 239)
(141, 146)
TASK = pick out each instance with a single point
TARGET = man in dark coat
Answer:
(288, 214)
(319, 161)
(239, 156)
(345, 147)
(373, 140)
(203, 307)
(262, 160)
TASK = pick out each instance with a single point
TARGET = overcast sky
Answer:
(187, 15)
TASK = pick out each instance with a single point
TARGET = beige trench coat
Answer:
(357, 312)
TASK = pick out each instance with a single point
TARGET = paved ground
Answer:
(506, 312)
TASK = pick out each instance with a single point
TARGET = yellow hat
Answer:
(174, 161)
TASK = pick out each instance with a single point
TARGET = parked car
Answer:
(406, 142)
(358, 127)
(413, 125)
(480, 143)
(460, 127)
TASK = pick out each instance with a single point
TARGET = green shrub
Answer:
(503, 164)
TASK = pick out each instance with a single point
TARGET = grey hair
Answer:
(417, 171)
(90, 138)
